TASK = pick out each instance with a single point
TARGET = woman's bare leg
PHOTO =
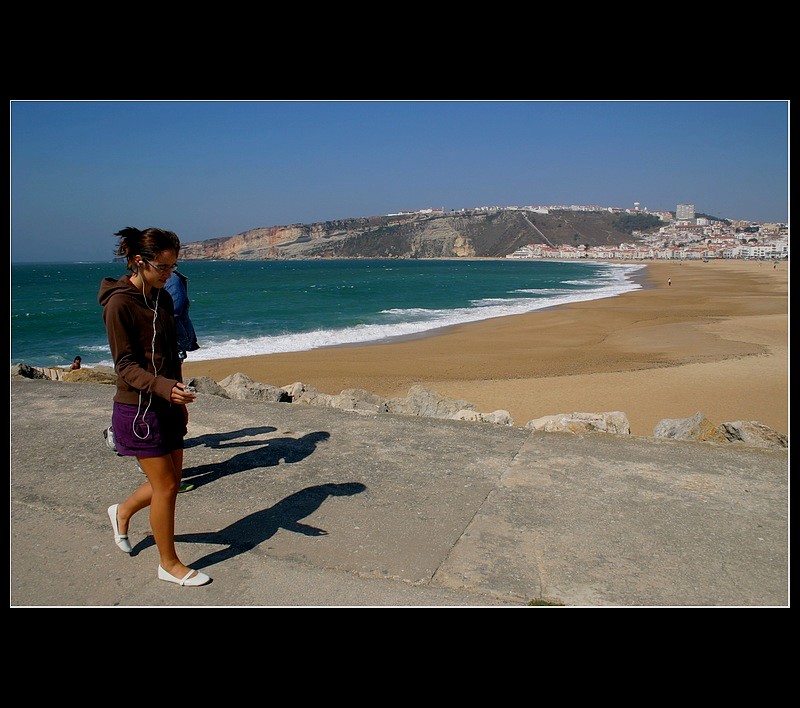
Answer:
(135, 502)
(160, 494)
(164, 477)
(177, 462)
(143, 495)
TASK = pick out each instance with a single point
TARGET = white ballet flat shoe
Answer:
(120, 539)
(188, 579)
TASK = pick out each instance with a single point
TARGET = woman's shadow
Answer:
(266, 454)
(247, 533)
(217, 439)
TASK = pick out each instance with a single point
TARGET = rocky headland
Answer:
(478, 234)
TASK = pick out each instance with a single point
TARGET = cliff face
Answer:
(493, 234)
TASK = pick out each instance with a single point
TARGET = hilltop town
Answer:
(683, 236)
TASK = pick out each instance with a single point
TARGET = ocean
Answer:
(243, 308)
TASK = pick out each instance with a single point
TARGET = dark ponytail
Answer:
(147, 244)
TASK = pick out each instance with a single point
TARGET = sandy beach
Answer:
(715, 341)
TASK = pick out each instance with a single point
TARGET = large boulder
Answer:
(498, 417)
(205, 384)
(424, 402)
(365, 397)
(239, 386)
(751, 432)
(53, 373)
(95, 374)
(312, 397)
(26, 371)
(698, 427)
(303, 393)
(350, 399)
(356, 399)
(296, 390)
(608, 422)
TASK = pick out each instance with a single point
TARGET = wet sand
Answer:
(715, 341)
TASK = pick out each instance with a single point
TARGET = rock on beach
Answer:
(424, 402)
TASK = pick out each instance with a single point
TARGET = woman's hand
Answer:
(180, 395)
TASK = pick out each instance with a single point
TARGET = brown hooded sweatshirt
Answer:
(143, 363)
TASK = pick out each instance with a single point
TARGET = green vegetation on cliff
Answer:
(637, 222)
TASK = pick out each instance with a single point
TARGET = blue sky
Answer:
(81, 170)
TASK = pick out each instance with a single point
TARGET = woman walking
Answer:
(149, 416)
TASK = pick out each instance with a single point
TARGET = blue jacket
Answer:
(177, 287)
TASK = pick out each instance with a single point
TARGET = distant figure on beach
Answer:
(149, 413)
(76, 364)
(669, 282)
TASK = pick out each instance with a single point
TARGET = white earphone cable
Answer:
(155, 369)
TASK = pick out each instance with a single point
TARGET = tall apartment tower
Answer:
(684, 212)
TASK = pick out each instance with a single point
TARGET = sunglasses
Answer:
(162, 268)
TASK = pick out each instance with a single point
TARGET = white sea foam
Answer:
(94, 348)
(411, 321)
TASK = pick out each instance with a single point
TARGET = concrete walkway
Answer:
(303, 506)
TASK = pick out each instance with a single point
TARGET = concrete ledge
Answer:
(309, 506)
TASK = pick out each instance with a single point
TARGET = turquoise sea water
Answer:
(241, 308)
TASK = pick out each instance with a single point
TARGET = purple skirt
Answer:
(153, 434)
